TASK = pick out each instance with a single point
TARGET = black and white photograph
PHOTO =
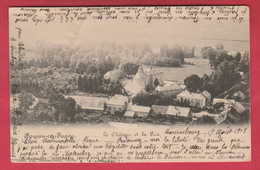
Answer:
(130, 84)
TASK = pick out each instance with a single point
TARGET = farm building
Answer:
(140, 111)
(238, 96)
(177, 111)
(169, 88)
(117, 103)
(90, 103)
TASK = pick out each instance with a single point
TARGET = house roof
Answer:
(203, 113)
(183, 86)
(221, 119)
(238, 107)
(129, 113)
(137, 108)
(239, 94)
(168, 87)
(158, 109)
(93, 103)
(222, 116)
(206, 93)
(178, 111)
(186, 93)
(117, 99)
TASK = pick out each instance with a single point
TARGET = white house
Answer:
(117, 103)
(195, 99)
(169, 88)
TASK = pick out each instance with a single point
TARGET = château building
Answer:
(143, 78)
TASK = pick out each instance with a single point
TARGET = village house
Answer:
(222, 118)
(207, 95)
(238, 96)
(117, 103)
(195, 99)
(94, 104)
(169, 88)
(237, 108)
(231, 115)
(178, 112)
(139, 111)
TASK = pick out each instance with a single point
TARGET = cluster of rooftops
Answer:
(119, 103)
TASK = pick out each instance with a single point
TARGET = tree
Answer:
(80, 82)
(147, 88)
(205, 119)
(90, 82)
(105, 106)
(177, 53)
(148, 58)
(221, 55)
(26, 100)
(244, 64)
(57, 102)
(220, 46)
(42, 112)
(92, 69)
(147, 99)
(218, 105)
(81, 66)
(130, 68)
(69, 109)
(207, 52)
(193, 83)
(100, 80)
(85, 83)
(95, 84)
(238, 57)
(156, 82)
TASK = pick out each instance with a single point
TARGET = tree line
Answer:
(169, 57)
(225, 74)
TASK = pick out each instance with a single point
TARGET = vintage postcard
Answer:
(130, 84)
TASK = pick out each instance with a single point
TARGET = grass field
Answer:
(200, 67)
